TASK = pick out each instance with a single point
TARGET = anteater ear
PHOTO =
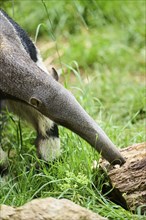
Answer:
(35, 102)
(54, 74)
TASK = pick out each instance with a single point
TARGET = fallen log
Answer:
(127, 184)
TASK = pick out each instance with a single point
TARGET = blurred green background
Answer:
(98, 46)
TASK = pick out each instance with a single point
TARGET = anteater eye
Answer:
(35, 102)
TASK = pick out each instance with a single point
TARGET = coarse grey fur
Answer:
(23, 81)
(47, 141)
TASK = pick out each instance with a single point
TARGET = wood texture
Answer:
(129, 181)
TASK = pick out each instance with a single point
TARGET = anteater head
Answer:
(22, 79)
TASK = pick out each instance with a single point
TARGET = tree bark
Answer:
(128, 182)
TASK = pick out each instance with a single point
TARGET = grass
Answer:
(99, 50)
